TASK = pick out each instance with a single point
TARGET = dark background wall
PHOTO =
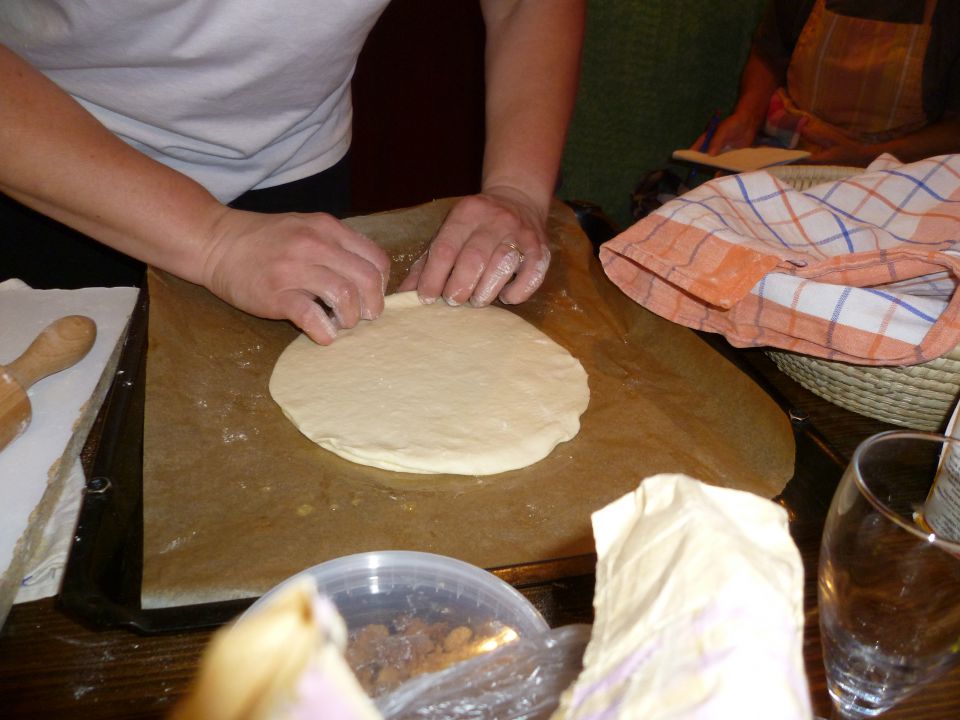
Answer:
(653, 72)
(418, 105)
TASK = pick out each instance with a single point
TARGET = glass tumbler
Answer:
(889, 584)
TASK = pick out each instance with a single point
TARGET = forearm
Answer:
(830, 144)
(59, 160)
(757, 84)
(937, 139)
(532, 69)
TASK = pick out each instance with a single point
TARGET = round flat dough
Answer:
(434, 389)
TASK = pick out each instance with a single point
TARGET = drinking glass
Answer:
(889, 585)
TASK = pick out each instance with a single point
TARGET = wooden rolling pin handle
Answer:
(61, 344)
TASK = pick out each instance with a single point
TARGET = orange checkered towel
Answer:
(863, 270)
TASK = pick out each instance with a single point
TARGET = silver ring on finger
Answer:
(513, 246)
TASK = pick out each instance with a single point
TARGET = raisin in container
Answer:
(408, 613)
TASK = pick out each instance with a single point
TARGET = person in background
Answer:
(849, 80)
(164, 129)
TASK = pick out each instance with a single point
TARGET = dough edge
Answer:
(535, 447)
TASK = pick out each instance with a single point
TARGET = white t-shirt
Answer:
(237, 94)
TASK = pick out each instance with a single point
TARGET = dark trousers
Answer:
(47, 254)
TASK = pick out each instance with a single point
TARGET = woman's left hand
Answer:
(491, 245)
(829, 144)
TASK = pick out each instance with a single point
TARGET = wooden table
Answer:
(51, 666)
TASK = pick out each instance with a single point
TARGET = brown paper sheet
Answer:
(236, 499)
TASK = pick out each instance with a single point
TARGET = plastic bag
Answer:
(520, 680)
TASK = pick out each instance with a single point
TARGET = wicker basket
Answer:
(916, 396)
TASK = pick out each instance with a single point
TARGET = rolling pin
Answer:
(61, 344)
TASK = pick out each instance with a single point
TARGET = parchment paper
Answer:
(236, 499)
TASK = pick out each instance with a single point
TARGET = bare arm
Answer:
(58, 159)
(830, 145)
(532, 69)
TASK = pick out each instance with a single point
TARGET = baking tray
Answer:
(102, 578)
(101, 582)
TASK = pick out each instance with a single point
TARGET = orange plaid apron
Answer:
(864, 76)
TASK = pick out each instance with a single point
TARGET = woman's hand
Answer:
(829, 144)
(284, 266)
(733, 132)
(491, 245)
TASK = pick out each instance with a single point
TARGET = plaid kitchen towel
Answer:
(862, 270)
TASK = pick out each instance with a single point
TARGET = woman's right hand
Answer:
(57, 158)
(735, 131)
(283, 266)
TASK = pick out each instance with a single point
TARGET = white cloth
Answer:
(45, 568)
(698, 609)
(237, 94)
(37, 469)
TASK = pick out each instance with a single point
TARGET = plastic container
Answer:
(412, 612)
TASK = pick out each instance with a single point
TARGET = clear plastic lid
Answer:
(372, 586)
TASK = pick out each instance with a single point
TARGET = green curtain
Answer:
(653, 73)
